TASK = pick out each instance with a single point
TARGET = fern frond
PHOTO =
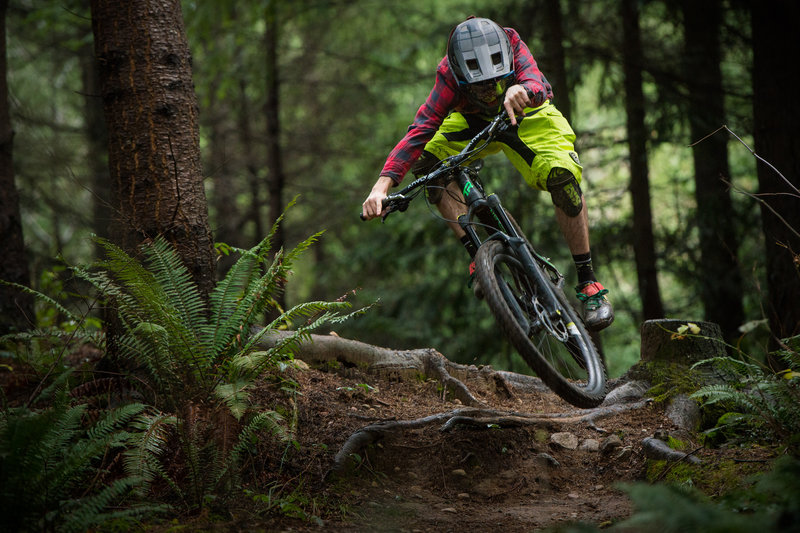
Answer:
(175, 280)
(113, 420)
(128, 308)
(323, 312)
(278, 221)
(43, 297)
(47, 456)
(235, 394)
(131, 274)
(268, 420)
(248, 436)
(148, 345)
(146, 446)
(85, 513)
(227, 309)
(300, 248)
(730, 364)
(715, 393)
(244, 312)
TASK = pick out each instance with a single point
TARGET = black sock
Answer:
(469, 245)
(583, 265)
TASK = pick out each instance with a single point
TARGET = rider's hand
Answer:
(373, 205)
(515, 102)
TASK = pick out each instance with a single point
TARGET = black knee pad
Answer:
(565, 191)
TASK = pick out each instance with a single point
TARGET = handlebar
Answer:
(400, 200)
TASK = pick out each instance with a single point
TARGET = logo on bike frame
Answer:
(467, 188)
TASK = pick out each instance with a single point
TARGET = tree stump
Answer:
(670, 341)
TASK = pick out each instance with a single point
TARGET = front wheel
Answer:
(553, 341)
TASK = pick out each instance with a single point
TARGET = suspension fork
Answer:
(479, 205)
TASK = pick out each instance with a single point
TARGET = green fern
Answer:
(757, 398)
(47, 457)
(196, 359)
(147, 446)
(193, 361)
(190, 352)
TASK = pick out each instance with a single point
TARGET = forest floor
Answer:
(468, 478)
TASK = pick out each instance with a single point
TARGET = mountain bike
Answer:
(522, 287)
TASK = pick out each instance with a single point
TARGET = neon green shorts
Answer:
(543, 141)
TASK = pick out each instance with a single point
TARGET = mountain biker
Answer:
(488, 68)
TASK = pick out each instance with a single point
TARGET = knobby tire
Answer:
(571, 365)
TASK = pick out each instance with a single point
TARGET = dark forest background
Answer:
(306, 98)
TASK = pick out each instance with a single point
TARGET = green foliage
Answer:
(758, 403)
(192, 352)
(195, 361)
(295, 504)
(53, 468)
(59, 331)
(770, 503)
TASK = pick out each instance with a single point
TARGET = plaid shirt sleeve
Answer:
(442, 99)
(445, 97)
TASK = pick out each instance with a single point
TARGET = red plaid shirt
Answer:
(446, 97)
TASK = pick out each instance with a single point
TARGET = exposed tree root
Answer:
(658, 449)
(408, 365)
(474, 417)
(429, 363)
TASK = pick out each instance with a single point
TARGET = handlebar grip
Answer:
(384, 202)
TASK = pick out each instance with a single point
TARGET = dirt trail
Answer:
(467, 478)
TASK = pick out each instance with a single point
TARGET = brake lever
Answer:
(395, 202)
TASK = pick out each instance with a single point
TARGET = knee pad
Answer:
(565, 191)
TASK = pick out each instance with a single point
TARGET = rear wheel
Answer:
(552, 340)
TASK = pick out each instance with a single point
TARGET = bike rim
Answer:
(555, 336)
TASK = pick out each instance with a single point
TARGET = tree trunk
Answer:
(276, 176)
(151, 112)
(554, 57)
(719, 277)
(776, 76)
(222, 170)
(671, 341)
(643, 245)
(16, 308)
(254, 180)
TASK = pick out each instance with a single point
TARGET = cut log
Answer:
(682, 342)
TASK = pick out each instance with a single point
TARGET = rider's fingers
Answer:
(510, 111)
(372, 207)
(366, 211)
